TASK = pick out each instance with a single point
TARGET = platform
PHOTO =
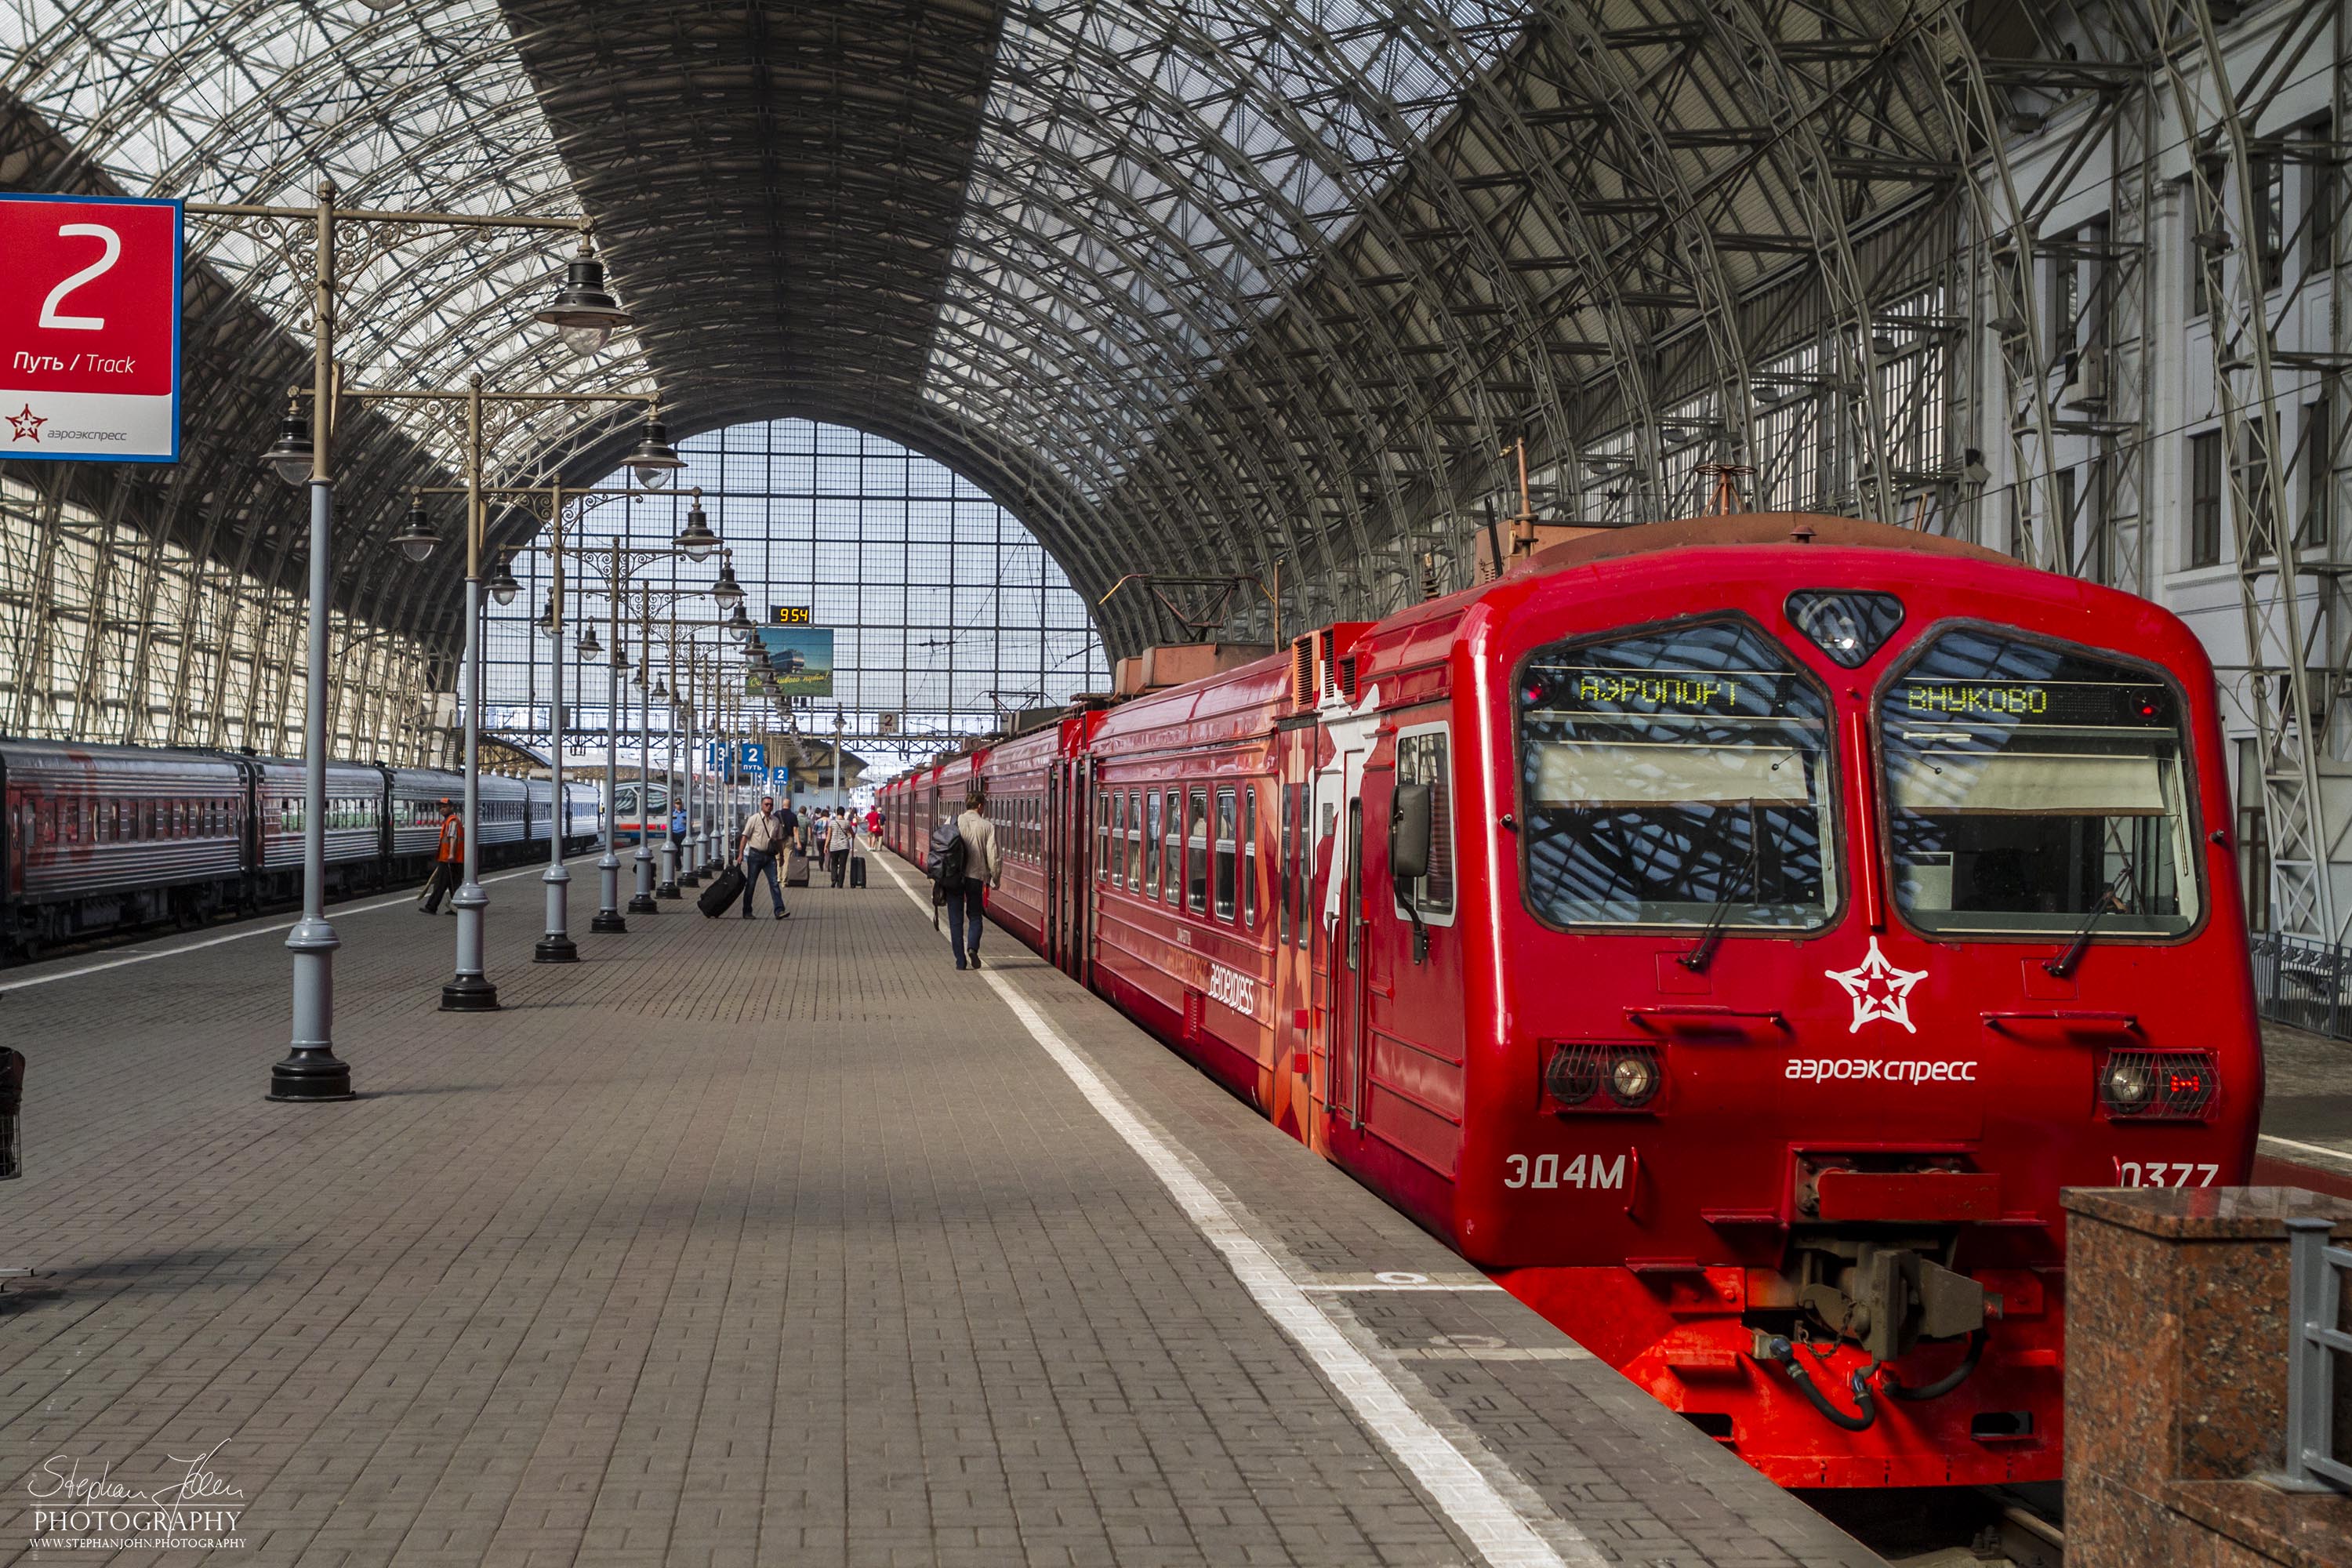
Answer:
(756, 1242)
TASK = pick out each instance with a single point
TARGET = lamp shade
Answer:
(583, 312)
(503, 586)
(727, 592)
(696, 538)
(289, 456)
(589, 646)
(655, 459)
(416, 539)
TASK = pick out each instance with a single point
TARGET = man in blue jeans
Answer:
(764, 838)
(981, 869)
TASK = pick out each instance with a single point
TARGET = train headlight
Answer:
(1574, 1076)
(1632, 1080)
(1600, 1079)
(2158, 1085)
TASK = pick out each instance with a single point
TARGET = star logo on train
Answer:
(1879, 990)
(25, 426)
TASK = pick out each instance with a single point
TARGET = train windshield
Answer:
(1678, 776)
(2031, 786)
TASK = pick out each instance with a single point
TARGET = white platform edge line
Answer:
(7, 984)
(2319, 1149)
(1500, 1534)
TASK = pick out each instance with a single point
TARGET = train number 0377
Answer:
(1549, 1171)
(2164, 1174)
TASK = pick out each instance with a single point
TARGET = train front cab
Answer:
(1806, 950)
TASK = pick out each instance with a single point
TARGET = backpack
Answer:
(947, 849)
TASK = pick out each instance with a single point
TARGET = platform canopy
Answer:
(1193, 288)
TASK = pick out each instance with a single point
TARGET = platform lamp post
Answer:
(654, 461)
(310, 1071)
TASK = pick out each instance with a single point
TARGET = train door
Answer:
(1348, 966)
(1081, 869)
(1057, 898)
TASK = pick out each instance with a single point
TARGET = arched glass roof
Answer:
(1243, 286)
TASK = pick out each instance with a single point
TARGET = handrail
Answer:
(2315, 1307)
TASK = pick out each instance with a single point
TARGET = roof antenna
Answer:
(1727, 476)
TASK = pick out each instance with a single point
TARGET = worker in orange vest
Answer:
(448, 864)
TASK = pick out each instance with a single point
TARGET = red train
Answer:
(1729, 933)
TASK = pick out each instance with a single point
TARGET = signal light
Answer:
(2158, 1085)
(1602, 1079)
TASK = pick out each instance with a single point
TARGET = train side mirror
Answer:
(1410, 832)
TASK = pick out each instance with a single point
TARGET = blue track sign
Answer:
(754, 756)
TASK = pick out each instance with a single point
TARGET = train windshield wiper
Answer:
(1711, 935)
(2110, 899)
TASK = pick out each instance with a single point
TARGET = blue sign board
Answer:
(754, 756)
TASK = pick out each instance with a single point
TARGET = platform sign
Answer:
(90, 328)
(800, 661)
(779, 780)
(753, 756)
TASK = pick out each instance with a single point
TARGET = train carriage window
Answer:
(1676, 776)
(1102, 836)
(1249, 856)
(1172, 859)
(1196, 852)
(1113, 848)
(1151, 846)
(2030, 785)
(1421, 759)
(1300, 861)
(1228, 853)
(1134, 839)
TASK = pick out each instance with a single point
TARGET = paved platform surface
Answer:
(762, 1242)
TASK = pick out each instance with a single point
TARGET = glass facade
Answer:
(947, 614)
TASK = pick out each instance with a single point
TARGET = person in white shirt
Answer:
(982, 866)
(838, 839)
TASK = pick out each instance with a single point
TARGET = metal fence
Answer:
(2303, 982)
(2318, 1402)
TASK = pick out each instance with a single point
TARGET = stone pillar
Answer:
(2176, 1381)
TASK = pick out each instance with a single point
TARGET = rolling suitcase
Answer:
(724, 889)
(796, 870)
(857, 870)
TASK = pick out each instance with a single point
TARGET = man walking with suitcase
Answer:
(765, 836)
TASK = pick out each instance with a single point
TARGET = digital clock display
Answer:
(788, 615)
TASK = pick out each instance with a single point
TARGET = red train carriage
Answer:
(1731, 934)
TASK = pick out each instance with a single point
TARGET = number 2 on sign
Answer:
(2163, 1173)
(89, 274)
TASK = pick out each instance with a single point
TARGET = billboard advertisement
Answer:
(90, 329)
(799, 662)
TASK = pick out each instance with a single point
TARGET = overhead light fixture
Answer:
(661, 689)
(416, 539)
(589, 647)
(583, 312)
(546, 622)
(503, 586)
(727, 592)
(290, 456)
(696, 538)
(740, 625)
(655, 459)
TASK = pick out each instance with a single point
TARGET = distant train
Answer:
(96, 840)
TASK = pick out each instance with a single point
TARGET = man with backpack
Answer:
(964, 861)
